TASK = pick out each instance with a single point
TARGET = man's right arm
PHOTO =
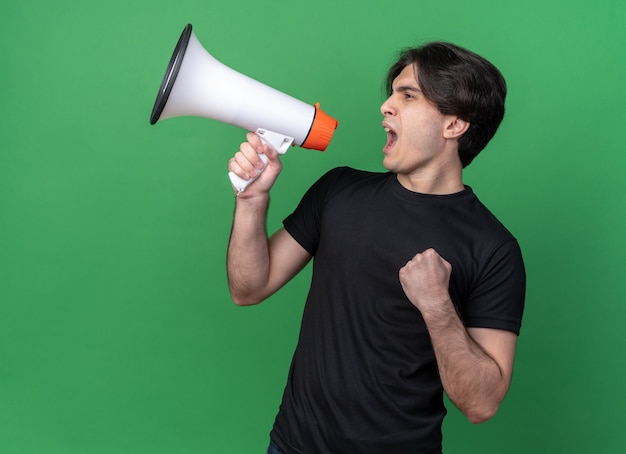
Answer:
(257, 266)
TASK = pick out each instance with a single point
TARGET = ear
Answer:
(455, 128)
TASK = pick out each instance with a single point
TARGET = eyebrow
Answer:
(404, 88)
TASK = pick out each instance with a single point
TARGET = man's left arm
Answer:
(475, 364)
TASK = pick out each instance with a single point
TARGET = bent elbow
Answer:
(479, 418)
(241, 301)
(481, 415)
(244, 298)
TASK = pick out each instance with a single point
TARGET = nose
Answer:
(387, 107)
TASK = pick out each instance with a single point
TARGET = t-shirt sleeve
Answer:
(304, 224)
(497, 301)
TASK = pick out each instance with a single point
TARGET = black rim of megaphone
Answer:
(170, 75)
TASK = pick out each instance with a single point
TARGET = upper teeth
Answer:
(387, 129)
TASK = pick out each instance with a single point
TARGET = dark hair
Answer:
(458, 82)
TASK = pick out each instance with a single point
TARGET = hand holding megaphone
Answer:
(277, 142)
(196, 84)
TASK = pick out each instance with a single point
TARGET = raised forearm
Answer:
(475, 365)
(471, 377)
(248, 255)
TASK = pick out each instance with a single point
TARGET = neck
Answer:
(431, 185)
(443, 180)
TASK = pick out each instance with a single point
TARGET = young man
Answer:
(417, 288)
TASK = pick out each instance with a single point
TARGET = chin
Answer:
(387, 164)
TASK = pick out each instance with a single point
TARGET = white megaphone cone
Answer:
(197, 84)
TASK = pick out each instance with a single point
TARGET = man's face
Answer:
(416, 130)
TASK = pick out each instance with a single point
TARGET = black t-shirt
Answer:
(363, 378)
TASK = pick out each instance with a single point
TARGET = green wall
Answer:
(117, 334)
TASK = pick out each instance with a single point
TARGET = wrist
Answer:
(442, 313)
(252, 199)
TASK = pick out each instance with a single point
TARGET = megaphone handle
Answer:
(239, 183)
(277, 141)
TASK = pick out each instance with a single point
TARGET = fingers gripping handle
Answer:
(239, 183)
(277, 141)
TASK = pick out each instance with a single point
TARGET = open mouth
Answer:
(392, 137)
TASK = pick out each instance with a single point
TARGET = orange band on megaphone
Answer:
(322, 130)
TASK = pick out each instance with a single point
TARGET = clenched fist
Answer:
(425, 279)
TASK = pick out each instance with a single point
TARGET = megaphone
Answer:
(197, 84)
